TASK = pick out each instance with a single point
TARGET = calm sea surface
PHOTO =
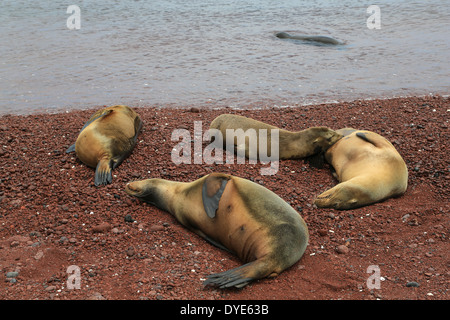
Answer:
(217, 53)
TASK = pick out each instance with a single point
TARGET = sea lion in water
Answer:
(320, 39)
(107, 139)
(291, 145)
(368, 168)
(234, 214)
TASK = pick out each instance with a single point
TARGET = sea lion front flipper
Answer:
(376, 142)
(212, 190)
(103, 173)
(213, 242)
(363, 135)
(95, 116)
(71, 149)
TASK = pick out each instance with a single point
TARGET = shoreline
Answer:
(210, 105)
(50, 208)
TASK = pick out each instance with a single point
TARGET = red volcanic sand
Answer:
(52, 216)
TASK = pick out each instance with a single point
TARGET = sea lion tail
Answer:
(240, 276)
(103, 173)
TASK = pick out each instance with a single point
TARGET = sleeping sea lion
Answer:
(291, 145)
(234, 214)
(107, 139)
(368, 168)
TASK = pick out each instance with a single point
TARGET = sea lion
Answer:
(291, 145)
(107, 139)
(320, 39)
(368, 168)
(234, 214)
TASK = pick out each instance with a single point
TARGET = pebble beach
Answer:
(52, 216)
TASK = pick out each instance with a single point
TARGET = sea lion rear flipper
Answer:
(241, 276)
(230, 278)
(103, 173)
(71, 149)
(212, 190)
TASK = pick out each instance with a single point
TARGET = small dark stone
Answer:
(412, 284)
(128, 218)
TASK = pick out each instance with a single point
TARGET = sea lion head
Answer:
(325, 138)
(149, 190)
(282, 35)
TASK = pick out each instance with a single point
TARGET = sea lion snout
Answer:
(139, 189)
(144, 190)
(149, 191)
(131, 187)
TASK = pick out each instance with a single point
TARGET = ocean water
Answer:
(217, 53)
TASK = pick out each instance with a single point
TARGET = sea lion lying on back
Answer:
(234, 214)
(368, 168)
(320, 39)
(291, 145)
(107, 139)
